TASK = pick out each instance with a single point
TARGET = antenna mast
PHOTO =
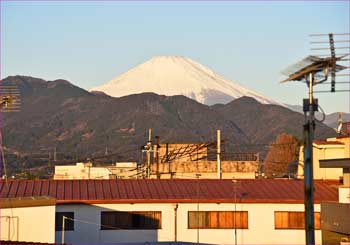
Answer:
(312, 70)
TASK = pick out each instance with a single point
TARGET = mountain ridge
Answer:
(81, 124)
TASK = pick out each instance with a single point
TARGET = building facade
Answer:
(245, 211)
(27, 219)
(332, 148)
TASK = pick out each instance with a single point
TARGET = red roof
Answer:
(176, 190)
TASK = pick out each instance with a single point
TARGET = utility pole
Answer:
(305, 71)
(55, 155)
(63, 228)
(198, 175)
(218, 155)
(156, 152)
(234, 181)
(148, 149)
(309, 128)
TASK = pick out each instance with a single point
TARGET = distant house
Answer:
(186, 160)
(331, 148)
(82, 171)
(245, 211)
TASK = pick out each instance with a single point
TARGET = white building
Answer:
(27, 219)
(247, 211)
(332, 148)
(82, 171)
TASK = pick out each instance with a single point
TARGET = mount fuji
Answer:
(177, 75)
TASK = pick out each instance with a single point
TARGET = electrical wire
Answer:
(323, 115)
(327, 91)
(93, 223)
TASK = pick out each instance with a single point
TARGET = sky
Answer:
(90, 42)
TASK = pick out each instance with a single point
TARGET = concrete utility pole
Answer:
(55, 154)
(218, 155)
(309, 128)
(198, 175)
(235, 182)
(149, 145)
(305, 71)
(156, 152)
(63, 228)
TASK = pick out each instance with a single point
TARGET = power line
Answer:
(336, 91)
(93, 223)
(334, 34)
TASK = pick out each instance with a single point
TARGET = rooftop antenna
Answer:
(340, 123)
(325, 45)
(10, 100)
(313, 70)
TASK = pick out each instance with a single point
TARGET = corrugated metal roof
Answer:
(176, 190)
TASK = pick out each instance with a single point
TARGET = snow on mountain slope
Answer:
(177, 75)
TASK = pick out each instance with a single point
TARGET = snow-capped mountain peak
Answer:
(178, 75)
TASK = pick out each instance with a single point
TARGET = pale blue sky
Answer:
(89, 43)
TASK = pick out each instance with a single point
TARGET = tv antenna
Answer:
(10, 100)
(314, 70)
(325, 45)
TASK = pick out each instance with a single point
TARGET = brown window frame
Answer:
(135, 220)
(218, 220)
(291, 223)
(68, 224)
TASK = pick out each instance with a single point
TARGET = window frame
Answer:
(317, 220)
(213, 219)
(136, 220)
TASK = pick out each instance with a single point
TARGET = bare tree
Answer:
(283, 152)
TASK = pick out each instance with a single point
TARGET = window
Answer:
(217, 220)
(150, 220)
(68, 223)
(293, 220)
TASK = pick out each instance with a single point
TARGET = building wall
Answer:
(320, 152)
(261, 228)
(260, 225)
(81, 171)
(92, 234)
(346, 142)
(31, 224)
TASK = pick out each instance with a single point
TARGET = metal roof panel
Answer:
(175, 190)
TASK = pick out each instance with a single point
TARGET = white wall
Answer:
(261, 228)
(344, 194)
(321, 152)
(30, 224)
(89, 234)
